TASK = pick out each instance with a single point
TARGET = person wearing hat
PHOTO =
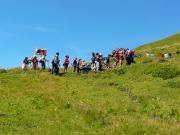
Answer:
(25, 63)
(55, 64)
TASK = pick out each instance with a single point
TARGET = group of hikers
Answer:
(118, 56)
(34, 62)
(98, 61)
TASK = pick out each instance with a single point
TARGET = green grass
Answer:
(118, 102)
(135, 100)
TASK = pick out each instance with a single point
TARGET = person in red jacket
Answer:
(116, 58)
(121, 58)
(66, 63)
(34, 62)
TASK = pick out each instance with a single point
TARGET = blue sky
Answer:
(79, 27)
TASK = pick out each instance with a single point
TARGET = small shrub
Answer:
(162, 71)
(113, 84)
(3, 71)
(67, 105)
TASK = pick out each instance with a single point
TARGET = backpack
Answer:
(56, 60)
(93, 59)
(25, 61)
(74, 62)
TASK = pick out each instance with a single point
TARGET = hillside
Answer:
(155, 50)
(143, 98)
(169, 44)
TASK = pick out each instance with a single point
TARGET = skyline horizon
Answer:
(78, 28)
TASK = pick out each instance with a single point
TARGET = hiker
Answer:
(75, 64)
(107, 62)
(66, 63)
(86, 67)
(34, 61)
(79, 66)
(127, 54)
(43, 60)
(132, 55)
(97, 62)
(100, 62)
(121, 58)
(116, 57)
(25, 63)
(55, 64)
(82, 64)
(93, 64)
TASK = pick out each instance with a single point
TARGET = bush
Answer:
(67, 105)
(3, 71)
(162, 71)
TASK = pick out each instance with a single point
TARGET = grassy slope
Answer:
(169, 44)
(131, 103)
(97, 103)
